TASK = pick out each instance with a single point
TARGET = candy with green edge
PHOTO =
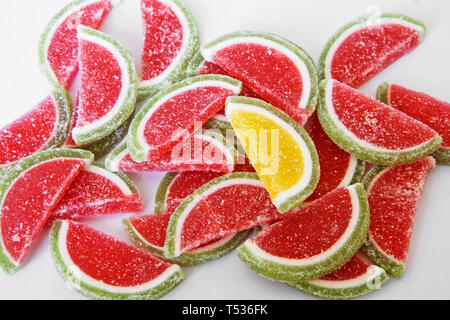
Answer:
(98, 192)
(100, 266)
(175, 113)
(149, 233)
(170, 42)
(274, 68)
(203, 151)
(364, 47)
(429, 110)
(371, 130)
(279, 149)
(29, 191)
(45, 126)
(308, 244)
(355, 278)
(225, 205)
(337, 167)
(393, 194)
(58, 45)
(108, 87)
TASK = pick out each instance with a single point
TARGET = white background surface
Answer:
(307, 23)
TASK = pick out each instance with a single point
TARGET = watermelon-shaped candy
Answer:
(97, 191)
(108, 87)
(203, 151)
(58, 46)
(371, 130)
(175, 113)
(44, 126)
(170, 41)
(28, 194)
(102, 267)
(355, 278)
(149, 233)
(226, 205)
(310, 243)
(431, 111)
(393, 194)
(364, 47)
(276, 69)
(337, 167)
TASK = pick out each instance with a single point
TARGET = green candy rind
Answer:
(394, 268)
(295, 200)
(292, 274)
(97, 293)
(299, 52)
(359, 172)
(179, 72)
(171, 234)
(341, 293)
(359, 20)
(114, 153)
(189, 259)
(378, 157)
(127, 107)
(161, 192)
(135, 146)
(103, 146)
(442, 155)
(194, 64)
(43, 39)
(15, 172)
(214, 123)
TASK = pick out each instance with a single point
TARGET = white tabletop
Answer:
(307, 23)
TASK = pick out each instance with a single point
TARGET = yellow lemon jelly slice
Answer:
(279, 149)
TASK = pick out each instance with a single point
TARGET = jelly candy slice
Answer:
(371, 130)
(28, 194)
(364, 47)
(102, 267)
(108, 86)
(58, 46)
(170, 41)
(393, 194)
(316, 240)
(279, 149)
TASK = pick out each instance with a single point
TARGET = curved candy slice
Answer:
(276, 69)
(393, 194)
(355, 278)
(45, 126)
(367, 45)
(175, 113)
(97, 191)
(371, 130)
(316, 240)
(431, 111)
(108, 86)
(170, 41)
(28, 193)
(279, 149)
(149, 233)
(337, 167)
(176, 186)
(203, 151)
(224, 206)
(58, 46)
(102, 267)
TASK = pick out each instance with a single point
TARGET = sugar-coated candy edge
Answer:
(285, 273)
(360, 20)
(180, 70)
(23, 165)
(378, 157)
(297, 199)
(127, 107)
(97, 293)
(161, 192)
